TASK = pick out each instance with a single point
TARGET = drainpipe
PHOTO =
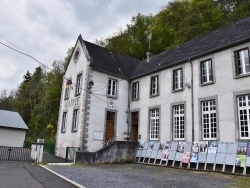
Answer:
(192, 98)
(128, 111)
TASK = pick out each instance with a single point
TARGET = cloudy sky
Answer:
(46, 29)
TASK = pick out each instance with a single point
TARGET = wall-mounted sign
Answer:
(98, 135)
(111, 105)
(72, 102)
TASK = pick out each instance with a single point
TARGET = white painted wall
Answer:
(69, 138)
(98, 107)
(12, 137)
(224, 87)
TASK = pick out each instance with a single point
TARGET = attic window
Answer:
(76, 55)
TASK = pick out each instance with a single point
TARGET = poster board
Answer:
(241, 157)
(171, 155)
(156, 146)
(180, 147)
(222, 147)
(178, 156)
(153, 154)
(174, 146)
(202, 158)
(220, 158)
(159, 154)
(195, 152)
(211, 157)
(138, 153)
(187, 147)
(212, 146)
(232, 147)
(186, 157)
(166, 149)
(230, 158)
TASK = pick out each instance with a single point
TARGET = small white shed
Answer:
(12, 129)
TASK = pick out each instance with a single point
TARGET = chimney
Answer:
(149, 56)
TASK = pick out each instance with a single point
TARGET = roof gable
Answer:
(11, 119)
(108, 61)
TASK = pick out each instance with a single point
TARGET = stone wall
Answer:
(118, 152)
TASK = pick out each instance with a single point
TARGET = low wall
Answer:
(118, 152)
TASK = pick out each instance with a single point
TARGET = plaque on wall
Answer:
(98, 135)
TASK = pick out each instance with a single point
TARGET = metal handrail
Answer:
(102, 146)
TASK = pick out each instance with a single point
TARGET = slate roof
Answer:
(109, 61)
(115, 63)
(11, 119)
(223, 38)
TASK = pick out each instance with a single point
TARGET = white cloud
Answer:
(46, 29)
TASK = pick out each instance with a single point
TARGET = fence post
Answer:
(67, 152)
(9, 150)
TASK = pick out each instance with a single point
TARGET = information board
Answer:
(171, 155)
(159, 155)
(156, 146)
(202, 158)
(174, 146)
(153, 154)
(178, 156)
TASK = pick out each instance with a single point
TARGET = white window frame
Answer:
(154, 126)
(209, 120)
(154, 85)
(206, 71)
(135, 90)
(243, 104)
(112, 87)
(178, 79)
(178, 122)
(78, 84)
(242, 61)
(75, 120)
(64, 120)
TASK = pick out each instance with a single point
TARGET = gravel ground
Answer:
(134, 175)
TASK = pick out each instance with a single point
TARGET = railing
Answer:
(102, 146)
(14, 153)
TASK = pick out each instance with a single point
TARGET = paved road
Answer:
(25, 175)
(147, 176)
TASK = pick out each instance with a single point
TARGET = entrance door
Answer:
(110, 126)
(134, 123)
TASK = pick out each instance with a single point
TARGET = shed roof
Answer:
(11, 119)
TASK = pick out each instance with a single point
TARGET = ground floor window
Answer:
(154, 124)
(244, 115)
(75, 120)
(178, 122)
(209, 123)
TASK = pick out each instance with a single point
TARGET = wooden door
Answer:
(134, 123)
(110, 126)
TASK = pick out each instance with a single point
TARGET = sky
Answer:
(47, 29)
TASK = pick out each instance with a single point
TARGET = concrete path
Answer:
(25, 175)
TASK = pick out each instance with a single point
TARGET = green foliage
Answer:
(37, 100)
(179, 21)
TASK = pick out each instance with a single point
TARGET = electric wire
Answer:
(89, 92)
